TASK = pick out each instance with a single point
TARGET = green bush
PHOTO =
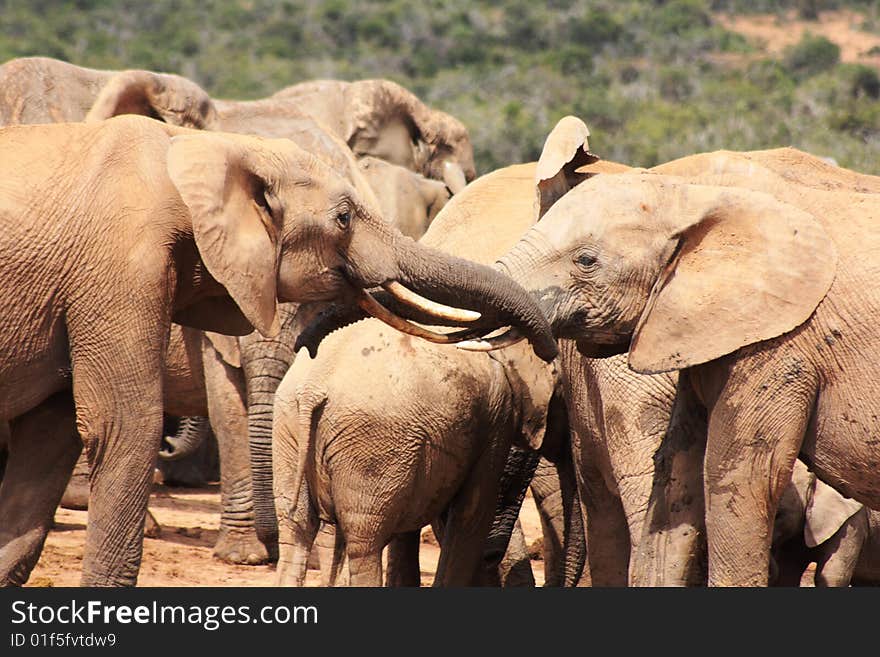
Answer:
(811, 55)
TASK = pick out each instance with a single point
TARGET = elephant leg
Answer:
(237, 540)
(547, 493)
(469, 519)
(121, 444)
(841, 552)
(297, 530)
(607, 531)
(365, 568)
(756, 429)
(329, 548)
(43, 447)
(403, 560)
(516, 566)
(672, 548)
(76, 494)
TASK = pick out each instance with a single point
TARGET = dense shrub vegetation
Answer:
(654, 79)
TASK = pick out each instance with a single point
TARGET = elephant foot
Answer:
(240, 548)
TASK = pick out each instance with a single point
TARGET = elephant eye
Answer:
(586, 259)
(343, 218)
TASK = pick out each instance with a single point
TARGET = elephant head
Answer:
(272, 223)
(166, 97)
(674, 272)
(382, 119)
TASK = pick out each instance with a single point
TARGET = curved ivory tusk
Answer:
(506, 339)
(380, 312)
(438, 310)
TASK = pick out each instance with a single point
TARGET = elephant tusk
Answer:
(380, 312)
(506, 339)
(438, 310)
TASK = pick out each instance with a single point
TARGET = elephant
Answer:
(405, 197)
(383, 119)
(114, 229)
(642, 262)
(815, 523)
(43, 90)
(370, 122)
(430, 435)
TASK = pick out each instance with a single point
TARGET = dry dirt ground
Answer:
(182, 555)
(771, 33)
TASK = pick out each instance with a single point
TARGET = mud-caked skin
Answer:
(749, 273)
(209, 230)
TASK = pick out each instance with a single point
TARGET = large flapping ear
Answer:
(827, 511)
(566, 149)
(747, 268)
(169, 98)
(220, 182)
(386, 120)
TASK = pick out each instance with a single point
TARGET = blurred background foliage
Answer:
(654, 79)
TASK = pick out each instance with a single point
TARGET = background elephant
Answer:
(612, 317)
(431, 433)
(226, 277)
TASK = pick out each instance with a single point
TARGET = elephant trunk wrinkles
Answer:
(265, 362)
(464, 284)
(191, 433)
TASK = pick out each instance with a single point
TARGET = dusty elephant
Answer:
(614, 262)
(431, 436)
(217, 230)
(42, 90)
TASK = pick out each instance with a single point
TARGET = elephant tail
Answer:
(309, 412)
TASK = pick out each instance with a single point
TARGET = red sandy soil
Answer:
(182, 555)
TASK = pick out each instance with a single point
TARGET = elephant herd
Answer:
(680, 362)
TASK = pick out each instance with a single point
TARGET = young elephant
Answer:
(645, 262)
(430, 432)
(111, 231)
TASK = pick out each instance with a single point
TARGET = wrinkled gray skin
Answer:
(595, 288)
(814, 523)
(41, 90)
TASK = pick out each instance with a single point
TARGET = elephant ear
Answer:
(827, 511)
(566, 149)
(169, 98)
(746, 268)
(221, 183)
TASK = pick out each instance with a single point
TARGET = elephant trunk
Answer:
(464, 284)
(191, 433)
(515, 478)
(265, 362)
